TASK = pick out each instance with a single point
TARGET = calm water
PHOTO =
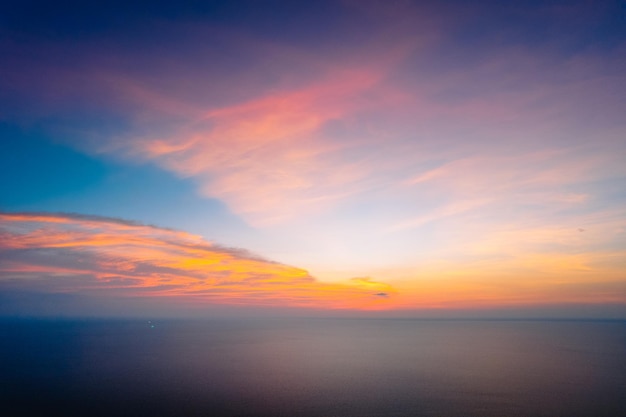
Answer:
(317, 367)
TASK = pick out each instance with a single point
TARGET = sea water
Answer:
(312, 367)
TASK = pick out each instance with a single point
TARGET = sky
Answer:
(313, 157)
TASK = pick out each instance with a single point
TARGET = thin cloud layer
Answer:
(280, 129)
(67, 253)
(517, 122)
(264, 157)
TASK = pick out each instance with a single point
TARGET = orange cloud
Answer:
(83, 254)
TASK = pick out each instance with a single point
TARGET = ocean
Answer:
(312, 367)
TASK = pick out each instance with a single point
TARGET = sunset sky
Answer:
(358, 157)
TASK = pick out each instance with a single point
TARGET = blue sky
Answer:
(445, 155)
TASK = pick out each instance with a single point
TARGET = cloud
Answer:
(279, 129)
(78, 254)
(508, 126)
(264, 156)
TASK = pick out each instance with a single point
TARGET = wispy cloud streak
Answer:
(95, 255)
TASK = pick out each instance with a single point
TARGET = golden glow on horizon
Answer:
(99, 256)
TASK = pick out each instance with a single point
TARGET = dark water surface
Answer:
(315, 367)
